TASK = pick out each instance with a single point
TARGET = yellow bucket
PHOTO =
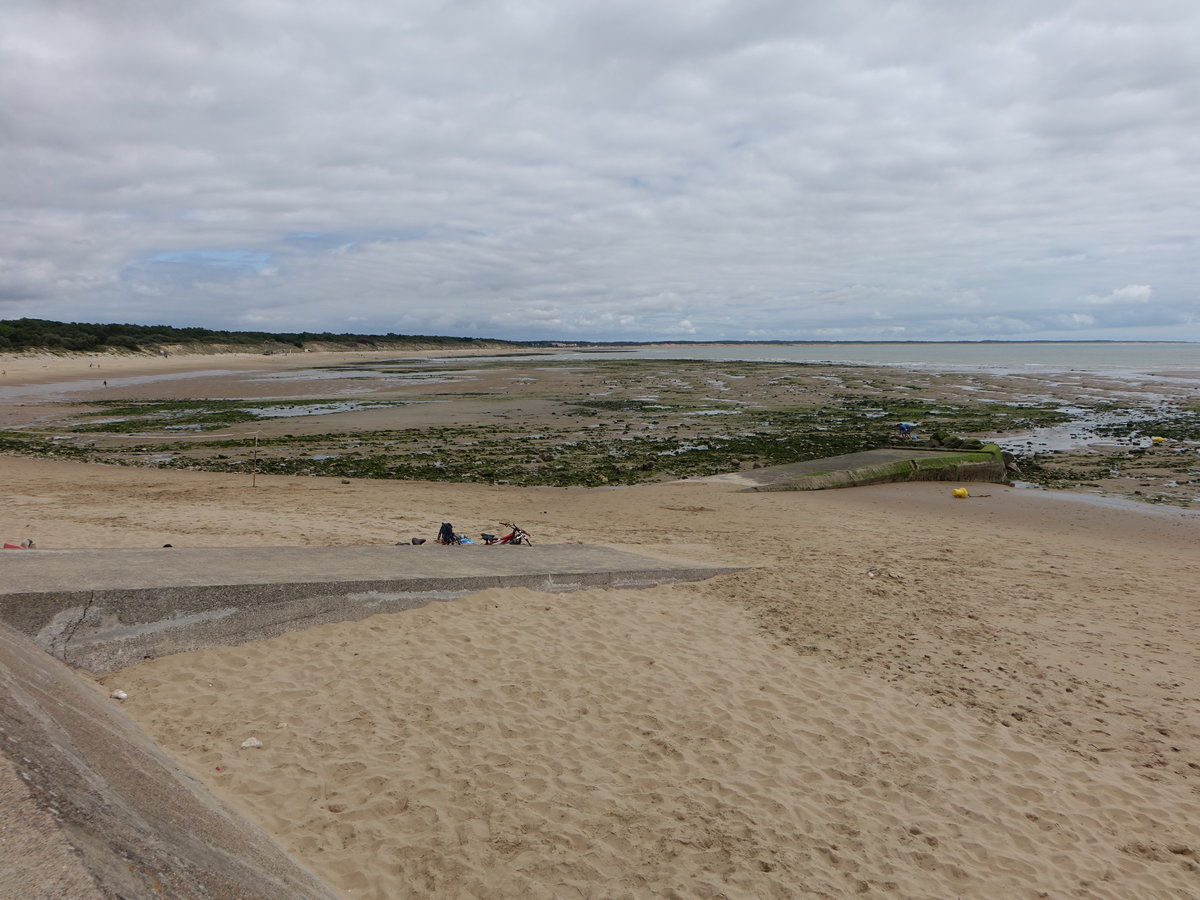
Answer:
(959, 493)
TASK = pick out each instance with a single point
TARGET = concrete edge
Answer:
(986, 465)
(104, 630)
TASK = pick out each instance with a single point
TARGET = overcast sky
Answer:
(606, 169)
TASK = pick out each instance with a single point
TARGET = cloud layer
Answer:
(611, 170)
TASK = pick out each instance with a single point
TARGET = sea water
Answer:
(1101, 357)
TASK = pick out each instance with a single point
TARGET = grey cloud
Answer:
(926, 169)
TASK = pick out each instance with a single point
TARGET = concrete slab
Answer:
(106, 609)
(872, 467)
(42, 571)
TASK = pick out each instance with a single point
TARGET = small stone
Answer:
(118, 695)
(251, 743)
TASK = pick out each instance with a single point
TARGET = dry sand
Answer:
(909, 695)
(43, 368)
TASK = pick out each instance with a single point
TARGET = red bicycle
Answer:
(516, 535)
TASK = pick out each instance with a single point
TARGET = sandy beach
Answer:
(904, 695)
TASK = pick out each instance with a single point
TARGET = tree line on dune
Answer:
(44, 334)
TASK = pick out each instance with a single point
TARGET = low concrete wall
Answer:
(114, 624)
(985, 465)
(142, 826)
(105, 630)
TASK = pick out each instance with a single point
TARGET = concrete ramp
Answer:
(105, 609)
(875, 467)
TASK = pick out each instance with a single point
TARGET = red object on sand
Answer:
(11, 546)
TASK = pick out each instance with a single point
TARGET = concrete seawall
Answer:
(876, 467)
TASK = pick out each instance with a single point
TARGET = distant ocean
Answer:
(1124, 358)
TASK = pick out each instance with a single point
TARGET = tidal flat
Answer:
(600, 421)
